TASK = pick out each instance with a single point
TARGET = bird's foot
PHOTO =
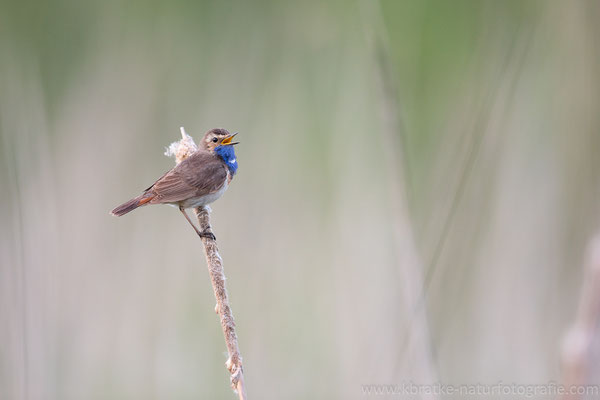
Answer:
(207, 234)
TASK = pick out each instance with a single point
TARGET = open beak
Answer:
(228, 140)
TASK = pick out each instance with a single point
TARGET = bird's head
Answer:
(217, 137)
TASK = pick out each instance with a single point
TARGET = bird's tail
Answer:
(132, 204)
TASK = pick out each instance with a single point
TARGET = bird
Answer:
(197, 181)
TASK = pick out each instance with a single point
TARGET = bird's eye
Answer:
(215, 140)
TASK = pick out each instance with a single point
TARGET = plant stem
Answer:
(580, 346)
(217, 277)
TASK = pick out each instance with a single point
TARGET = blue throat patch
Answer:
(227, 153)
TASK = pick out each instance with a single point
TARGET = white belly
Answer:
(204, 200)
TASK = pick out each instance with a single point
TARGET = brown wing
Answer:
(198, 175)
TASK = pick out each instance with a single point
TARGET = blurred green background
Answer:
(418, 183)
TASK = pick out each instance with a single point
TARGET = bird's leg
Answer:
(189, 220)
(205, 234)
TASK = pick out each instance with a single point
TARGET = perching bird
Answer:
(197, 181)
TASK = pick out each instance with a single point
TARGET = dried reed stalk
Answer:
(217, 277)
(181, 150)
(580, 352)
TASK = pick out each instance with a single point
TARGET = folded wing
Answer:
(200, 174)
